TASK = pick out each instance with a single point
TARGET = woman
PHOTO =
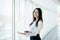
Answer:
(35, 26)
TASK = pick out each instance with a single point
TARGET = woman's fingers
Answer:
(19, 32)
(22, 33)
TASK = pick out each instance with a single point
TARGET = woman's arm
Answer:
(25, 32)
(35, 31)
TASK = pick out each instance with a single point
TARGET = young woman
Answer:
(35, 26)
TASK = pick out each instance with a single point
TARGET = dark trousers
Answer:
(35, 37)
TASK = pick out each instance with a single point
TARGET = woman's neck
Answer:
(36, 19)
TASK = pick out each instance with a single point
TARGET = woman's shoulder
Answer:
(40, 22)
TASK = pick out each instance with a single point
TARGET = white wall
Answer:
(5, 19)
(58, 23)
(49, 16)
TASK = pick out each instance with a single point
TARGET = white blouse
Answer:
(35, 30)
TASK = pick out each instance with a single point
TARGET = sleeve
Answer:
(38, 29)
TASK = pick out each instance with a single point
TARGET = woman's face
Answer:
(36, 13)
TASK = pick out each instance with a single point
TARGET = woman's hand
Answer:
(25, 32)
(22, 33)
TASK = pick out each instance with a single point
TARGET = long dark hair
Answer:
(39, 17)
